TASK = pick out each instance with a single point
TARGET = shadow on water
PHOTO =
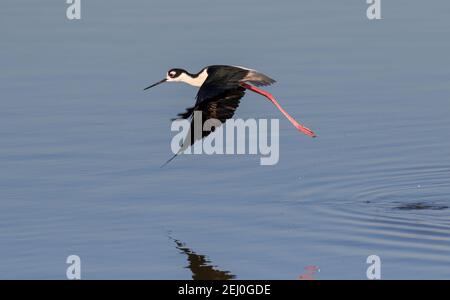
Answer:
(421, 206)
(200, 266)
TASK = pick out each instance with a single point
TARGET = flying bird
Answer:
(221, 89)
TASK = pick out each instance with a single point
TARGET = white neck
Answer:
(195, 81)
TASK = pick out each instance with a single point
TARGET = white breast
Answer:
(197, 81)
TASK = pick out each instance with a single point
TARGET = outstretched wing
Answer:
(221, 108)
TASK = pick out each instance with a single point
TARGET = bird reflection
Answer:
(200, 266)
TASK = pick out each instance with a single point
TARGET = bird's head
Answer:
(176, 74)
(173, 75)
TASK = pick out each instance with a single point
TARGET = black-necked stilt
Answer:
(221, 88)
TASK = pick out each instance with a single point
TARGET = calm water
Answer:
(81, 143)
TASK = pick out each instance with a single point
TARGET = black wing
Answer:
(219, 97)
(221, 79)
(221, 107)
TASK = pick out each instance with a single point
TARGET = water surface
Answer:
(81, 143)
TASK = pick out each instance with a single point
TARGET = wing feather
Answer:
(221, 108)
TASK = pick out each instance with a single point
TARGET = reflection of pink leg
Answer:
(310, 271)
(297, 125)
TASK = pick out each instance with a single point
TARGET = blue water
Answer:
(81, 143)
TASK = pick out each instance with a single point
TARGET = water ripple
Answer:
(402, 213)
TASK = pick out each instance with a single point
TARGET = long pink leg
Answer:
(269, 96)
